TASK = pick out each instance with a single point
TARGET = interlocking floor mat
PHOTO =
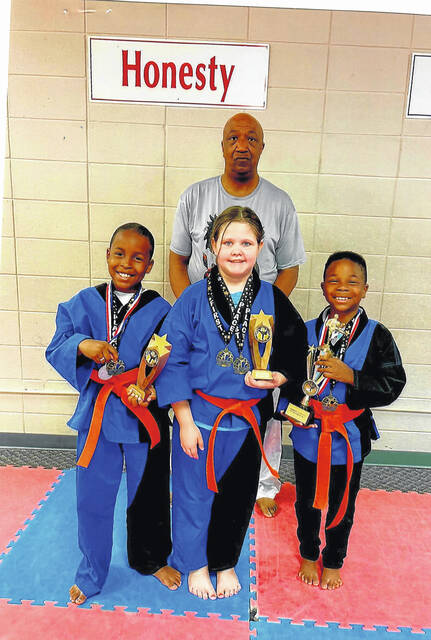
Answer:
(49, 622)
(42, 562)
(21, 490)
(385, 574)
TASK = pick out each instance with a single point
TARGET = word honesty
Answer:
(167, 73)
(178, 73)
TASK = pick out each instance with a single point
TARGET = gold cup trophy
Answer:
(261, 329)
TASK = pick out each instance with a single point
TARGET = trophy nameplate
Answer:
(303, 414)
(261, 329)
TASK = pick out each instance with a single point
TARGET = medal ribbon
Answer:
(247, 295)
(240, 408)
(118, 384)
(330, 422)
(343, 348)
(111, 336)
(239, 315)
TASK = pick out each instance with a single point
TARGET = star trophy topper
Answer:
(261, 329)
(303, 414)
(154, 359)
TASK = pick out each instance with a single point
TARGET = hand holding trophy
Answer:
(154, 359)
(303, 414)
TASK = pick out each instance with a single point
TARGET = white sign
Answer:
(419, 102)
(170, 72)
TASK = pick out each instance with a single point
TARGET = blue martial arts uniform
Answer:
(379, 378)
(83, 317)
(198, 513)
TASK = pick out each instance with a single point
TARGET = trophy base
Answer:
(298, 414)
(136, 391)
(261, 374)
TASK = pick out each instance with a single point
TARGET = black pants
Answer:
(148, 517)
(149, 547)
(309, 518)
(233, 506)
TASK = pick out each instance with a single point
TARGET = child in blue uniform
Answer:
(101, 333)
(218, 405)
(364, 371)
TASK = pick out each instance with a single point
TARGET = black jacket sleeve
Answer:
(290, 346)
(382, 377)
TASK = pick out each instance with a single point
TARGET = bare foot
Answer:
(169, 577)
(308, 572)
(227, 583)
(331, 579)
(200, 584)
(76, 595)
(268, 506)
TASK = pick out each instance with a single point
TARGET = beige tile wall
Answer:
(336, 140)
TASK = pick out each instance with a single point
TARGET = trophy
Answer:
(260, 333)
(303, 414)
(154, 359)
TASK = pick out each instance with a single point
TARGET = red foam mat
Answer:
(31, 622)
(21, 490)
(386, 574)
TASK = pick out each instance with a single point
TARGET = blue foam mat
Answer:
(264, 629)
(42, 562)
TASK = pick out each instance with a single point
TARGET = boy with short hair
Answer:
(364, 370)
(100, 337)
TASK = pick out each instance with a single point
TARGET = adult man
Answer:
(281, 255)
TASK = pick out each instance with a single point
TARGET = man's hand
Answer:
(98, 350)
(335, 369)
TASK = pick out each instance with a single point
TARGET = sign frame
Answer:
(97, 95)
(418, 86)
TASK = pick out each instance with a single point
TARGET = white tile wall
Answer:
(336, 140)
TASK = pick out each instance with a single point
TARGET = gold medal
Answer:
(329, 403)
(241, 365)
(224, 358)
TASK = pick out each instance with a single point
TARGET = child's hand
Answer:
(142, 397)
(98, 350)
(191, 439)
(294, 423)
(336, 369)
(277, 380)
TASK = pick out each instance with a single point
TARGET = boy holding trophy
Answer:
(353, 364)
(100, 336)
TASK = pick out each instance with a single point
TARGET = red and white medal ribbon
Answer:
(110, 338)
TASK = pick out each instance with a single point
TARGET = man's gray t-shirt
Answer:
(282, 247)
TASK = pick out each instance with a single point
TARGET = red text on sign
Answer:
(152, 73)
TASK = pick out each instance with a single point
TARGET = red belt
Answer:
(118, 385)
(332, 421)
(240, 408)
